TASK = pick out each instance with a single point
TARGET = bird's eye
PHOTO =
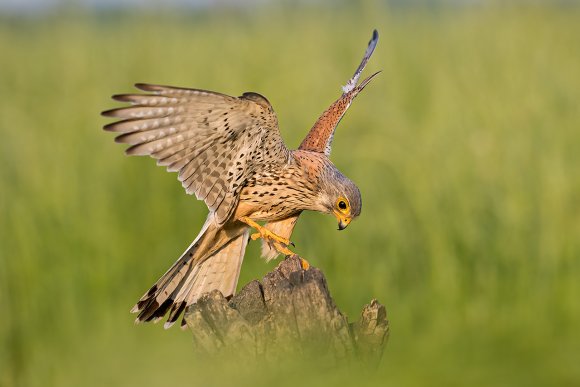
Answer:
(342, 204)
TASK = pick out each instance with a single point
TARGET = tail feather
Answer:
(155, 300)
(223, 271)
(178, 266)
(219, 271)
(211, 262)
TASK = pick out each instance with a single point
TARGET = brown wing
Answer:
(319, 139)
(213, 140)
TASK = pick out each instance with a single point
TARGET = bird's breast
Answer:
(277, 194)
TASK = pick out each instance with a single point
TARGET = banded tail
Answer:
(212, 261)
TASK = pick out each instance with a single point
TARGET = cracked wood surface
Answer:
(289, 312)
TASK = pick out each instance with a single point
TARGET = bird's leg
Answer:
(278, 242)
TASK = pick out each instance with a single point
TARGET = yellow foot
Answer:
(276, 241)
(304, 263)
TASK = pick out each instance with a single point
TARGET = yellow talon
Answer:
(267, 234)
(278, 242)
(304, 263)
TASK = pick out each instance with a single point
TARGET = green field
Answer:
(466, 149)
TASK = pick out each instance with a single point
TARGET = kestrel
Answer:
(229, 153)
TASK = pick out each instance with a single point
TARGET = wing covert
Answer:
(319, 138)
(214, 141)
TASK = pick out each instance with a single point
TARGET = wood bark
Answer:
(289, 312)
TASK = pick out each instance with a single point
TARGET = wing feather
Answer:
(214, 141)
(319, 138)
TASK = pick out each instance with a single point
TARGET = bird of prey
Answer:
(228, 151)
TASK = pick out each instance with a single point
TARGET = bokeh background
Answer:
(466, 149)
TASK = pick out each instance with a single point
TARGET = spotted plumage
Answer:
(228, 151)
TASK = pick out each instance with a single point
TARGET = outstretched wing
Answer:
(319, 139)
(213, 140)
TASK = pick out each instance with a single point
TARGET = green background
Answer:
(466, 149)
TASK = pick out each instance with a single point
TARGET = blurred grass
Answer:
(465, 149)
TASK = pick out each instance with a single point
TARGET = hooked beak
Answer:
(343, 220)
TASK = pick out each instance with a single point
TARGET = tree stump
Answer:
(289, 312)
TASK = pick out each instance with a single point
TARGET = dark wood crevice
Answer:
(290, 311)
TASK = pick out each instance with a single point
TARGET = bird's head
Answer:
(342, 198)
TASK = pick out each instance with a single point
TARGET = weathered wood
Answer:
(289, 311)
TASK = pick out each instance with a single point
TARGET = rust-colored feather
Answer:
(229, 153)
(319, 139)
